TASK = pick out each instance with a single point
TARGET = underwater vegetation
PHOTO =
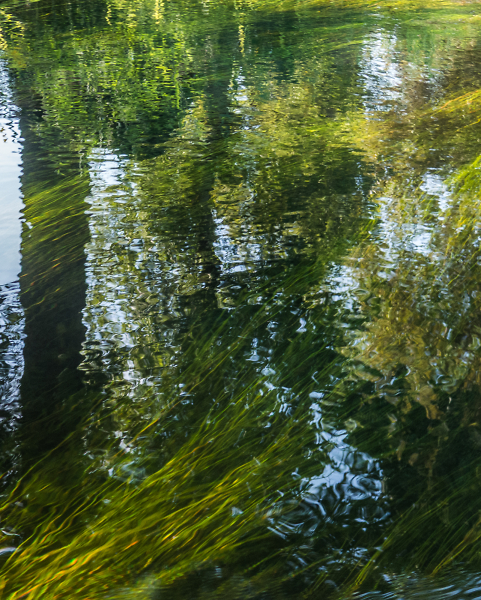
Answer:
(242, 357)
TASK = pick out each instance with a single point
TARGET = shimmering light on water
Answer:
(10, 195)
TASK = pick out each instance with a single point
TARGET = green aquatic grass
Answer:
(210, 497)
(207, 459)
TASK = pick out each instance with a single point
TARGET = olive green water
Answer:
(242, 356)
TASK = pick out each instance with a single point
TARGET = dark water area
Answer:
(240, 299)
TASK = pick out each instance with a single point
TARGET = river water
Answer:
(240, 299)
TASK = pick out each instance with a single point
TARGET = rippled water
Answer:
(241, 358)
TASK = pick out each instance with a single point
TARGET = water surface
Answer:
(10, 196)
(241, 357)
